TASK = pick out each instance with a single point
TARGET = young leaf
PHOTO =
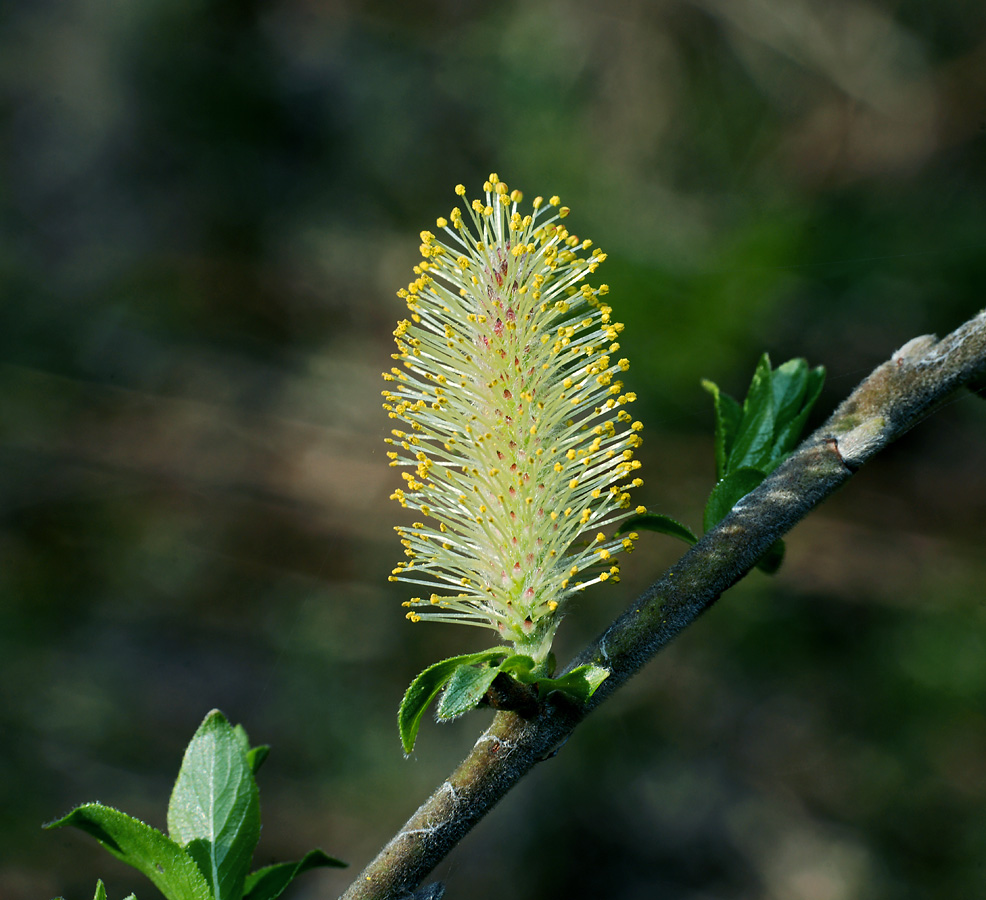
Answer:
(426, 686)
(760, 385)
(239, 732)
(256, 756)
(580, 683)
(728, 492)
(788, 382)
(790, 431)
(728, 415)
(269, 882)
(101, 892)
(465, 689)
(215, 808)
(167, 865)
(521, 667)
(755, 436)
(659, 523)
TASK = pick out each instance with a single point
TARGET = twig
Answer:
(894, 398)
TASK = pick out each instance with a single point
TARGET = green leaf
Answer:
(728, 414)
(659, 523)
(580, 683)
(256, 756)
(239, 732)
(788, 382)
(728, 492)
(771, 561)
(101, 892)
(755, 436)
(524, 669)
(426, 686)
(465, 689)
(215, 808)
(760, 385)
(166, 864)
(269, 882)
(790, 432)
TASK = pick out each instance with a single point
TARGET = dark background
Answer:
(206, 208)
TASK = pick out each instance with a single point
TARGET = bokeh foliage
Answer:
(205, 209)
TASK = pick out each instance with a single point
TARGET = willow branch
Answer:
(894, 398)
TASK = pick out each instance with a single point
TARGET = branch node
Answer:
(833, 445)
(507, 694)
(860, 442)
(914, 349)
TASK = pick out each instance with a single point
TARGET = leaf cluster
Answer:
(754, 439)
(469, 680)
(213, 825)
(751, 440)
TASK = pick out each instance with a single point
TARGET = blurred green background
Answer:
(206, 208)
